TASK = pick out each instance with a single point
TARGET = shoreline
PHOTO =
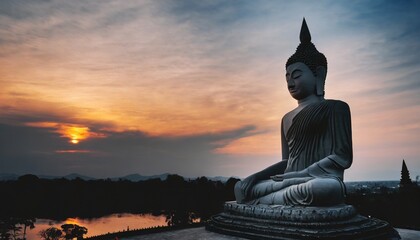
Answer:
(143, 231)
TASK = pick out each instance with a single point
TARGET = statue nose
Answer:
(290, 84)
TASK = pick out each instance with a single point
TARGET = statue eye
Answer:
(296, 74)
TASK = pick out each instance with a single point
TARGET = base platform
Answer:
(201, 234)
(292, 223)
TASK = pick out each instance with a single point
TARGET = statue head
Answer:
(307, 54)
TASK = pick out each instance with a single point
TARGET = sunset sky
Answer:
(109, 88)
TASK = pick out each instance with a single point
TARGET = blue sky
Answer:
(110, 88)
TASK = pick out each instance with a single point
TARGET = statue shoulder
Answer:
(287, 115)
(340, 108)
(339, 105)
(290, 115)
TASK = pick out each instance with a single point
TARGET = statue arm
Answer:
(246, 185)
(341, 156)
(342, 153)
(284, 145)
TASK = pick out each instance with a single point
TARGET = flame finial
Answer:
(305, 35)
(306, 52)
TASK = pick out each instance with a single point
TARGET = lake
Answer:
(98, 226)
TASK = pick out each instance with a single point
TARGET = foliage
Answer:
(5, 230)
(400, 209)
(180, 218)
(405, 181)
(51, 233)
(61, 198)
(73, 231)
(11, 227)
(182, 201)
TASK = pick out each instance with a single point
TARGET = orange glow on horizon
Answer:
(103, 225)
(72, 221)
(260, 144)
(75, 133)
(73, 151)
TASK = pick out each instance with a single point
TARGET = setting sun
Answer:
(74, 133)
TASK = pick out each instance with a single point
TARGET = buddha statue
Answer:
(302, 196)
(316, 141)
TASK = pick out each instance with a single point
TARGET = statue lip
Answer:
(291, 88)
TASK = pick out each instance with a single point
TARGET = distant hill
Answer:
(372, 186)
(8, 177)
(131, 177)
(72, 176)
(11, 177)
(218, 178)
(75, 175)
(138, 177)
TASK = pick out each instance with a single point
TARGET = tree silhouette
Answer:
(74, 231)
(180, 218)
(51, 233)
(10, 227)
(26, 222)
(15, 229)
(5, 228)
(405, 176)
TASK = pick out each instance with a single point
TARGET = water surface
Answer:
(98, 226)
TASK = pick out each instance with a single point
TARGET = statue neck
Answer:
(309, 100)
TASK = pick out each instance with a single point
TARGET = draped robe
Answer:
(319, 142)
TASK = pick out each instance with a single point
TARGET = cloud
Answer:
(40, 150)
(202, 68)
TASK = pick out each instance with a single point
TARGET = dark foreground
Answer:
(182, 201)
(201, 233)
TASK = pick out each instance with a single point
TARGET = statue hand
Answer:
(289, 175)
(278, 177)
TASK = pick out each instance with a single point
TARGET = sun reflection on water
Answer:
(103, 225)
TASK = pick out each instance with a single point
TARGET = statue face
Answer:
(301, 82)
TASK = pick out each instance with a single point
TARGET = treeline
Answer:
(181, 200)
(400, 208)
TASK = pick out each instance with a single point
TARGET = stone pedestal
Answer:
(339, 222)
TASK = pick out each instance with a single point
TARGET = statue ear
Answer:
(321, 74)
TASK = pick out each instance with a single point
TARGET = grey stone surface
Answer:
(289, 213)
(407, 234)
(201, 233)
(283, 201)
(316, 141)
(280, 222)
(354, 228)
(185, 234)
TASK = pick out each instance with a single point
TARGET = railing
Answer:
(142, 231)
